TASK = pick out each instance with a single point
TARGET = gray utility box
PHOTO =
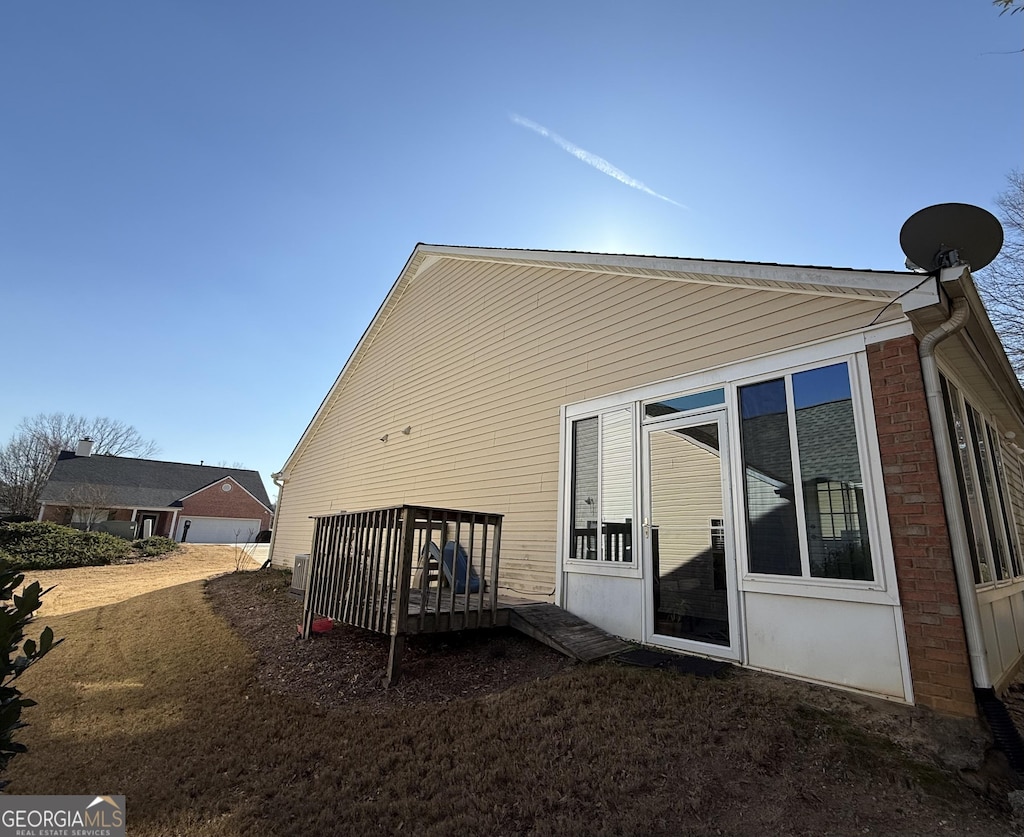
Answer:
(300, 576)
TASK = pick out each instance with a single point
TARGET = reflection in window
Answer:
(617, 486)
(982, 481)
(987, 486)
(833, 520)
(718, 553)
(772, 539)
(965, 480)
(602, 488)
(584, 489)
(684, 403)
(837, 538)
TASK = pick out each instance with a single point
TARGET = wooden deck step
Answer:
(564, 632)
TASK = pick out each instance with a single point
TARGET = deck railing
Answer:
(404, 569)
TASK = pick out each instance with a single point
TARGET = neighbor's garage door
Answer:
(218, 529)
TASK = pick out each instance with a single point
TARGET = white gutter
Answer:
(964, 571)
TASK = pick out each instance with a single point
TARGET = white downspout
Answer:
(964, 571)
(279, 481)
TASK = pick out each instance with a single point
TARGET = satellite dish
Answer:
(949, 234)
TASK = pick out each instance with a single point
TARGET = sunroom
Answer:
(739, 514)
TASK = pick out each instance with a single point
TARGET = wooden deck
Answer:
(400, 571)
(544, 622)
(453, 612)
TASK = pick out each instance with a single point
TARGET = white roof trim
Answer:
(794, 278)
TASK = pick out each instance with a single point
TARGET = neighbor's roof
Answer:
(141, 482)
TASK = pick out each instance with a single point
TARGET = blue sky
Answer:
(202, 203)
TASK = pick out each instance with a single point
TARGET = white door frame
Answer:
(719, 416)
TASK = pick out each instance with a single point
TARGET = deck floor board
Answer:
(564, 632)
(544, 622)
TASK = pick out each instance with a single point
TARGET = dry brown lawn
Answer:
(80, 588)
(160, 698)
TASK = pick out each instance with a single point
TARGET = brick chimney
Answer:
(84, 447)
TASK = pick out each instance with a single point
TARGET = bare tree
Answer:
(1011, 6)
(1002, 283)
(28, 458)
(90, 503)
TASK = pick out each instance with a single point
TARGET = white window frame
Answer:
(850, 348)
(626, 569)
(969, 401)
(882, 564)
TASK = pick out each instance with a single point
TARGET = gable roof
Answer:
(912, 290)
(141, 482)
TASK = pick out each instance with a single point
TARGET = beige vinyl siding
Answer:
(477, 357)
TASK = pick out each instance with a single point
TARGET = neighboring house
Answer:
(792, 468)
(219, 505)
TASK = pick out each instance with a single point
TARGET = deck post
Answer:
(312, 579)
(395, 659)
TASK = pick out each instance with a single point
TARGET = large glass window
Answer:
(602, 488)
(982, 481)
(800, 430)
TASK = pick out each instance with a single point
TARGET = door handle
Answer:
(647, 527)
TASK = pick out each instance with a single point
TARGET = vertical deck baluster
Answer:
(423, 550)
(385, 568)
(364, 568)
(456, 537)
(484, 520)
(364, 578)
(469, 571)
(347, 538)
(373, 571)
(336, 560)
(359, 579)
(325, 571)
(382, 572)
(495, 558)
(438, 609)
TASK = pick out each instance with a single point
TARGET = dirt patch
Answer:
(80, 588)
(347, 664)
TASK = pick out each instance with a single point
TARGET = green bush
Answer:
(16, 654)
(156, 545)
(48, 546)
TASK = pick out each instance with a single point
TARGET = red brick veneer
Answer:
(939, 662)
(213, 501)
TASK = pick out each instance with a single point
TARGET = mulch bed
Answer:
(347, 665)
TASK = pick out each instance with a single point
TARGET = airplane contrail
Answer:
(599, 163)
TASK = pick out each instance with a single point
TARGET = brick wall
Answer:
(939, 662)
(56, 514)
(213, 501)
